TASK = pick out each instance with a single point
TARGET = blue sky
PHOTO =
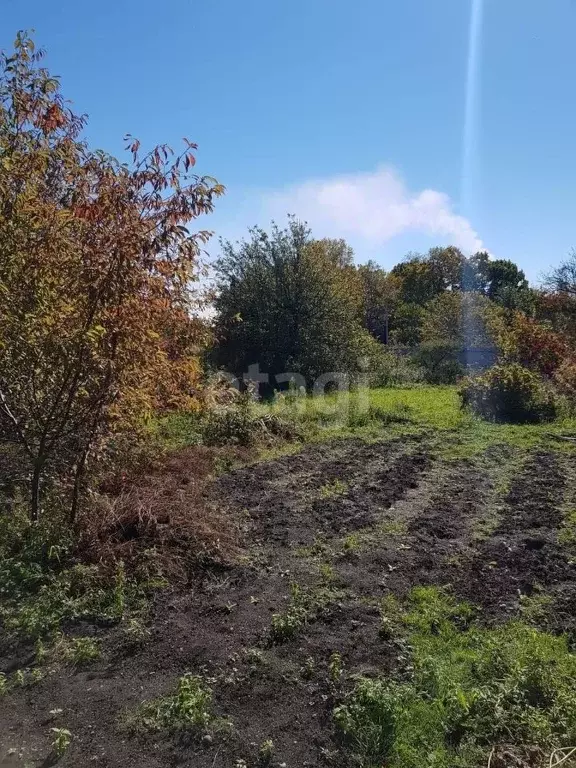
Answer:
(351, 115)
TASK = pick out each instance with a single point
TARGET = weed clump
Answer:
(305, 605)
(466, 688)
(189, 707)
(42, 585)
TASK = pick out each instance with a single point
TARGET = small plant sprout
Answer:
(308, 668)
(266, 752)
(285, 626)
(192, 701)
(81, 650)
(332, 490)
(254, 655)
(61, 738)
(20, 678)
(335, 667)
(40, 652)
(327, 573)
(135, 632)
(351, 543)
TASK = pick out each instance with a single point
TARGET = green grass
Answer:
(465, 689)
(370, 415)
(333, 489)
(422, 409)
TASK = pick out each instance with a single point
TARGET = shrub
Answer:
(96, 268)
(440, 361)
(532, 345)
(241, 424)
(390, 369)
(509, 393)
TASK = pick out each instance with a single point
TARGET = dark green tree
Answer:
(380, 298)
(289, 304)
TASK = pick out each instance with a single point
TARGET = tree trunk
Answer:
(35, 498)
(79, 474)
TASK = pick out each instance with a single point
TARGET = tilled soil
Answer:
(348, 521)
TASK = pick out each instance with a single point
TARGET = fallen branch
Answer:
(555, 758)
(562, 437)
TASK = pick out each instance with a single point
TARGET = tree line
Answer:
(290, 302)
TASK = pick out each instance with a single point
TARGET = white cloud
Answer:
(372, 208)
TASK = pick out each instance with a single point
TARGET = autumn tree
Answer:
(424, 276)
(558, 310)
(523, 340)
(96, 322)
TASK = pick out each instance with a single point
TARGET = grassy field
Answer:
(414, 410)
(403, 595)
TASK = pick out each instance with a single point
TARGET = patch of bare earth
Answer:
(378, 518)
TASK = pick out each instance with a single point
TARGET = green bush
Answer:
(440, 361)
(389, 369)
(509, 393)
(42, 586)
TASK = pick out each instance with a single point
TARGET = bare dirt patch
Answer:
(393, 517)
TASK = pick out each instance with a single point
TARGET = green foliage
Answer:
(380, 298)
(440, 361)
(506, 284)
(78, 650)
(285, 626)
(406, 324)
(461, 318)
(469, 687)
(391, 369)
(240, 423)
(189, 707)
(266, 752)
(425, 276)
(333, 489)
(335, 667)
(305, 605)
(41, 586)
(290, 304)
(509, 393)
